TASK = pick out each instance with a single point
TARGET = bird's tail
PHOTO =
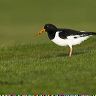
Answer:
(91, 33)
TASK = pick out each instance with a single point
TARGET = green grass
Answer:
(32, 64)
(46, 68)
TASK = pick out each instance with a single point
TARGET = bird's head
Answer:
(49, 28)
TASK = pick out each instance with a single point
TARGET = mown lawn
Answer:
(46, 68)
(31, 64)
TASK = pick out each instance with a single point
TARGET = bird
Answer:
(64, 36)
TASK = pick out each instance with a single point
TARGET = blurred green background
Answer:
(21, 19)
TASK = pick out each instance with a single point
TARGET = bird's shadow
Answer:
(61, 55)
(79, 53)
(74, 53)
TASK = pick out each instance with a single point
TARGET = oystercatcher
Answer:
(65, 37)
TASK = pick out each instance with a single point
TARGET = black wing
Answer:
(64, 33)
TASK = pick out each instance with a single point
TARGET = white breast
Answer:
(59, 41)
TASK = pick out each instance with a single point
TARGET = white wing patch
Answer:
(82, 31)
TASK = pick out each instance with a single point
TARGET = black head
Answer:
(50, 28)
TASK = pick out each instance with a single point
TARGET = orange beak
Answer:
(41, 31)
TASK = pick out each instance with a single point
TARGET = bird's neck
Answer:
(51, 35)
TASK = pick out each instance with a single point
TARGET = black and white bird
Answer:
(65, 37)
